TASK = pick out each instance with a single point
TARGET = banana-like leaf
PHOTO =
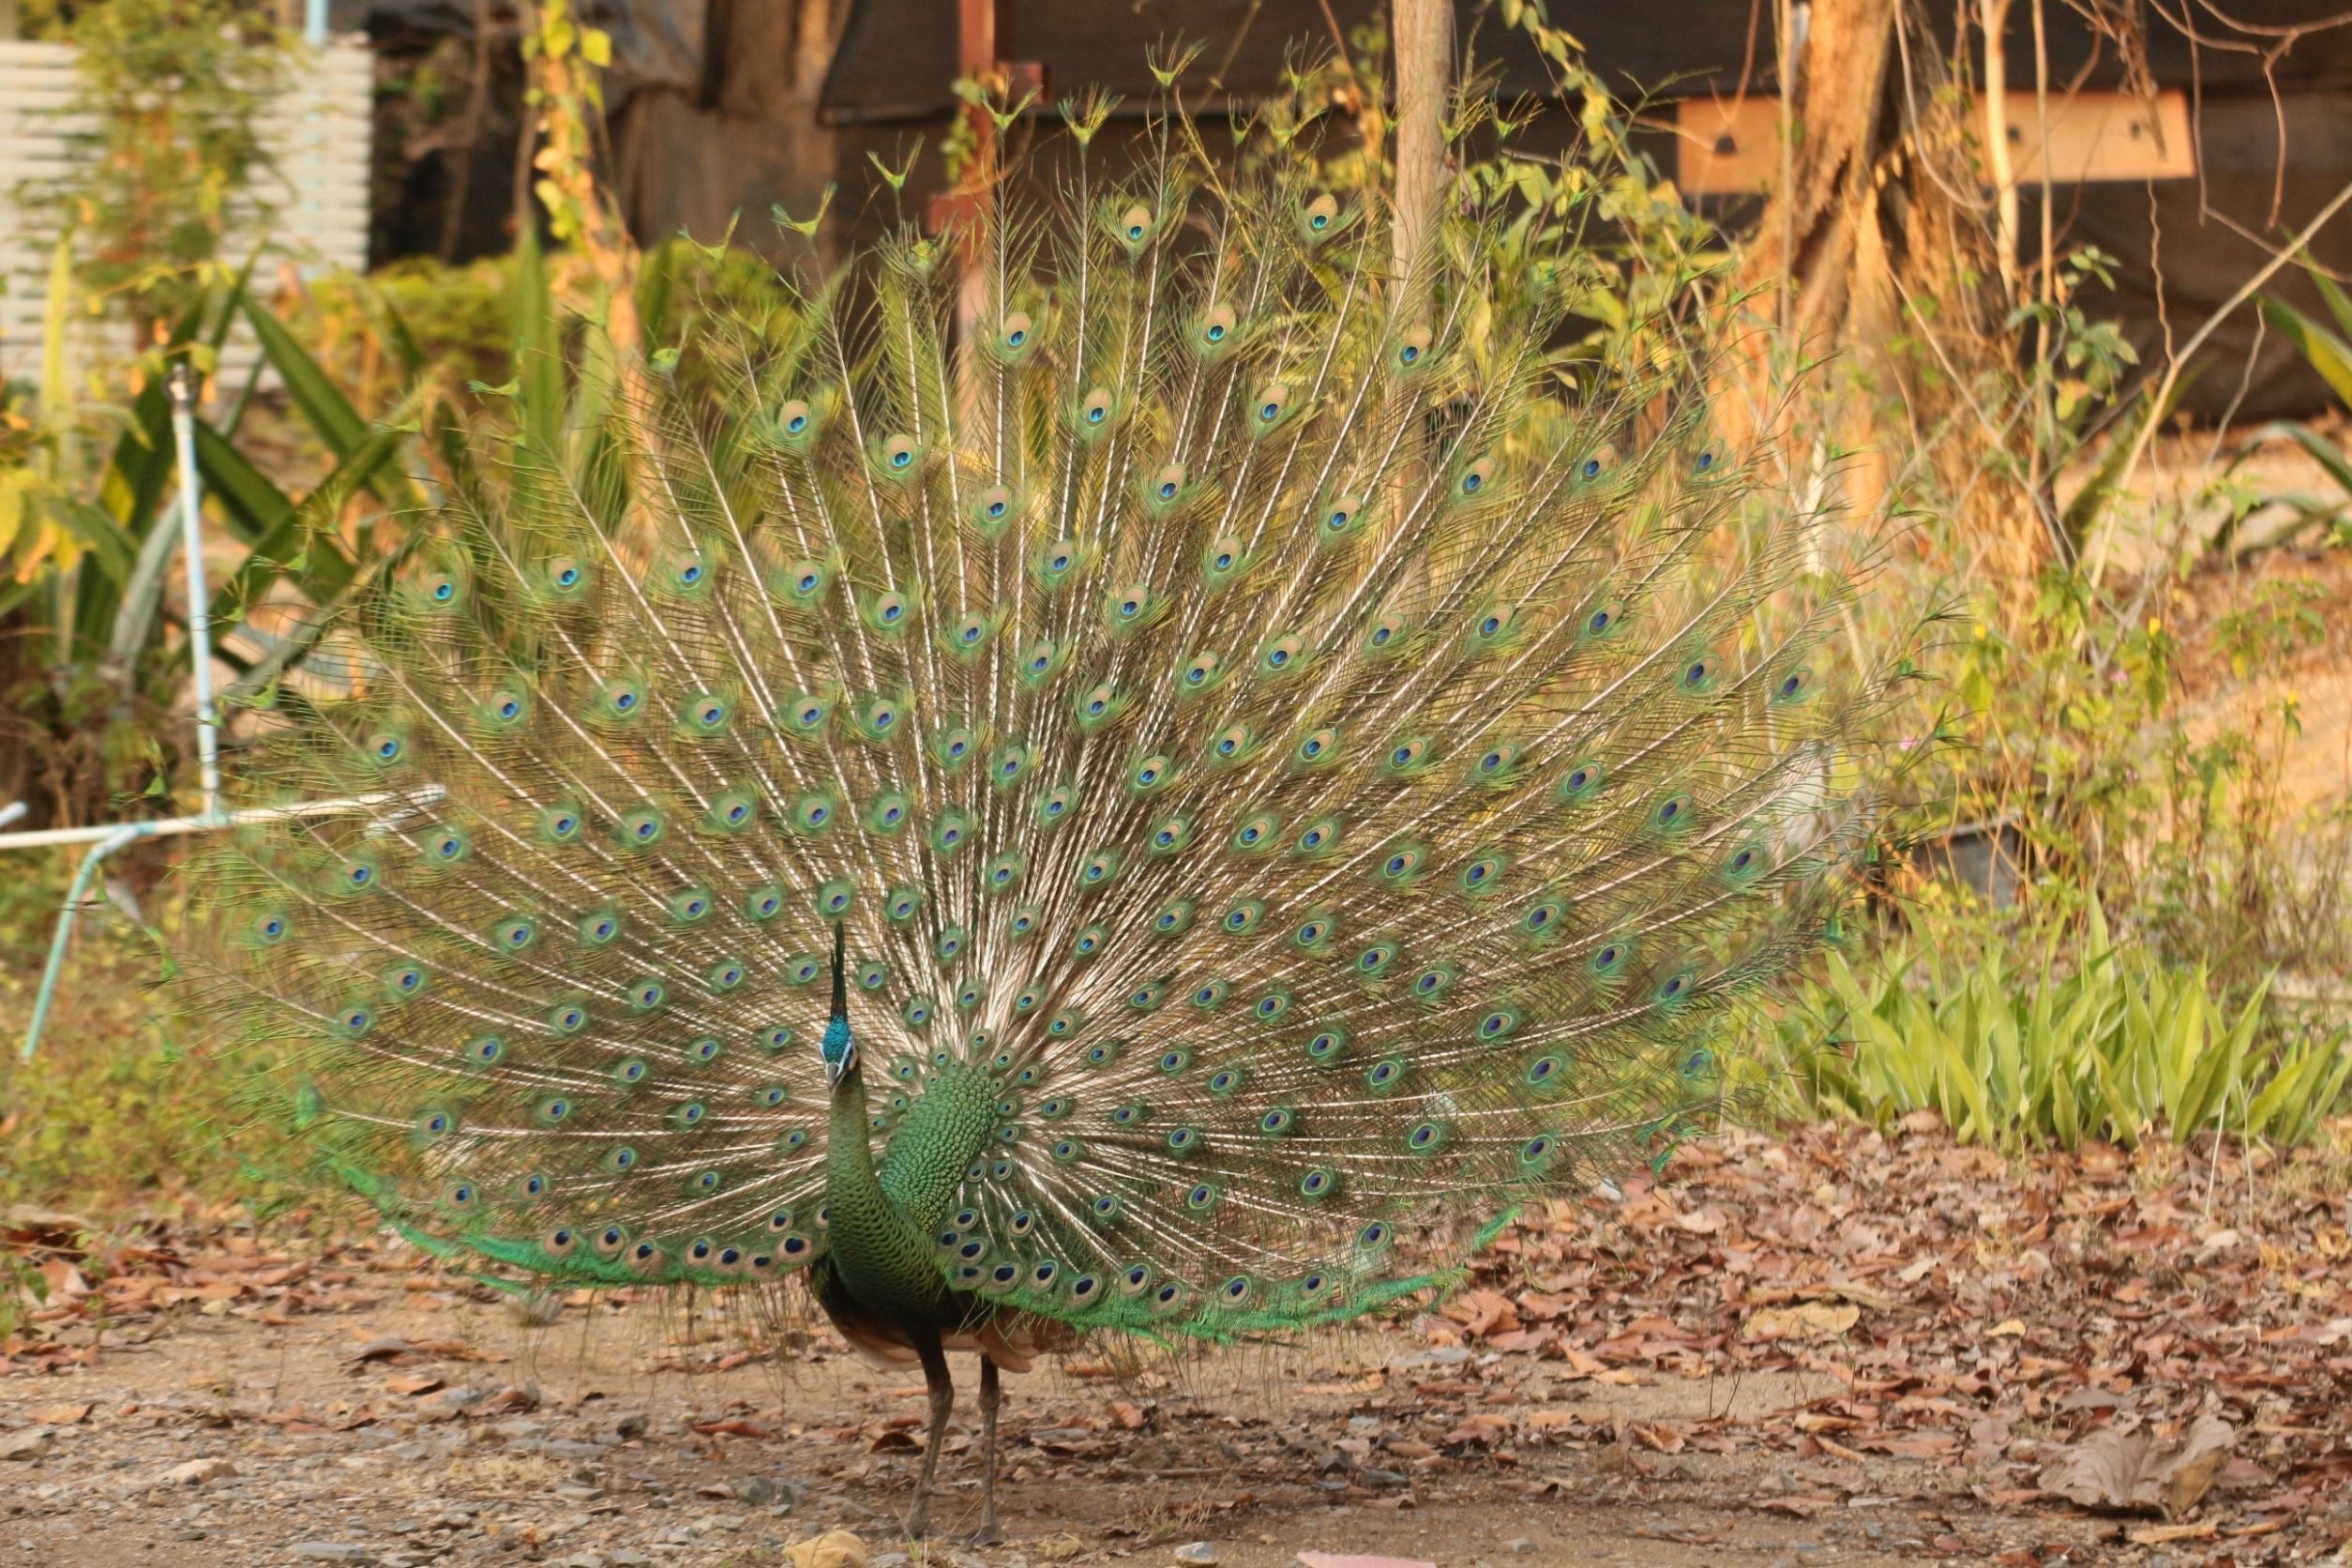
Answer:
(2327, 353)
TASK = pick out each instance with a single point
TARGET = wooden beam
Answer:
(984, 39)
(1732, 149)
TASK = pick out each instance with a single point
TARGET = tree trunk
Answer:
(1875, 247)
(1425, 89)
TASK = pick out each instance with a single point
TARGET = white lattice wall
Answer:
(317, 132)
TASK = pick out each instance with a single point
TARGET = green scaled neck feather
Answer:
(880, 1222)
(1289, 758)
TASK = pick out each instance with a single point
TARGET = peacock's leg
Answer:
(934, 1357)
(991, 1395)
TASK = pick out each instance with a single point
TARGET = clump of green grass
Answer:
(120, 1116)
(2123, 1047)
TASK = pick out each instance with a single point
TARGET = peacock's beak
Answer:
(837, 1071)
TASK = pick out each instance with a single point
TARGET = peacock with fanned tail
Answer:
(1132, 770)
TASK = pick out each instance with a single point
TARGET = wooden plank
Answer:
(1732, 147)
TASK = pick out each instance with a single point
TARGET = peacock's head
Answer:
(839, 1051)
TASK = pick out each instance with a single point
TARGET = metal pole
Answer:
(57, 944)
(183, 386)
(315, 24)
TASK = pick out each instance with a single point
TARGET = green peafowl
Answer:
(1276, 764)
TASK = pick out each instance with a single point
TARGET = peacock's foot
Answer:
(989, 1534)
(919, 1521)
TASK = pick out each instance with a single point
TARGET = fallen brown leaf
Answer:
(1803, 1323)
(2130, 1470)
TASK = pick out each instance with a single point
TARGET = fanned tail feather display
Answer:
(1296, 762)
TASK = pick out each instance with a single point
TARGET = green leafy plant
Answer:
(23, 1290)
(2008, 1052)
(2324, 347)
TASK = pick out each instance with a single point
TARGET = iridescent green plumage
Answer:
(1297, 764)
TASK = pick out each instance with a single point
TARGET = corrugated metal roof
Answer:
(319, 135)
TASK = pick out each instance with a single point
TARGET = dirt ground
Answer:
(1832, 1346)
(572, 1451)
